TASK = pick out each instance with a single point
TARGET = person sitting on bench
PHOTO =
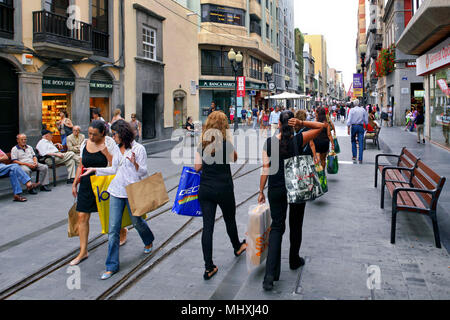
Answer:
(17, 176)
(45, 147)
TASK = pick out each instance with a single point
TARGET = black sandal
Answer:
(210, 273)
(243, 250)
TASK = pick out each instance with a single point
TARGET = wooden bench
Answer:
(53, 166)
(374, 138)
(404, 160)
(420, 194)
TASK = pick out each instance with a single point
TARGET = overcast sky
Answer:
(337, 21)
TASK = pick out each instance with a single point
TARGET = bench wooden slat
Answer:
(429, 172)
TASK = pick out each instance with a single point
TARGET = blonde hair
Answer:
(300, 115)
(117, 112)
(217, 120)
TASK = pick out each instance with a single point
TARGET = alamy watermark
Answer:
(374, 279)
(74, 280)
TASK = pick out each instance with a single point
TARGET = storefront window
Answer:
(52, 105)
(440, 106)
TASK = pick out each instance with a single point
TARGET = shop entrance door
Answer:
(9, 102)
(223, 100)
(149, 116)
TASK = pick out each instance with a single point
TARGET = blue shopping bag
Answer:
(186, 202)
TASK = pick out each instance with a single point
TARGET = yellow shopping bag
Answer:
(100, 186)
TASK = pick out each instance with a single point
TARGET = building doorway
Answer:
(9, 101)
(149, 116)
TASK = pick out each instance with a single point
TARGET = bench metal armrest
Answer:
(397, 190)
(384, 155)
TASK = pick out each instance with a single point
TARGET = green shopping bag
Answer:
(322, 178)
(332, 163)
(337, 149)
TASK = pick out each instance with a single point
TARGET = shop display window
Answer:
(440, 106)
(52, 105)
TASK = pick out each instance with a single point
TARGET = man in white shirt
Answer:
(357, 118)
(274, 119)
(45, 147)
(24, 156)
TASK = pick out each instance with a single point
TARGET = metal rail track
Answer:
(92, 245)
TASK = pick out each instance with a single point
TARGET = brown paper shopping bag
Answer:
(72, 225)
(147, 195)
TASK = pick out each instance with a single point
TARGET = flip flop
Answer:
(210, 273)
(76, 261)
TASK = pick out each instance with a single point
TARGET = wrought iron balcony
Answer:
(53, 35)
(6, 21)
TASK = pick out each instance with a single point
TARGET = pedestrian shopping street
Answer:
(344, 232)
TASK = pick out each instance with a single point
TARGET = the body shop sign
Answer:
(434, 59)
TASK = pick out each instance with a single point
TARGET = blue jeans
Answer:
(116, 207)
(16, 175)
(255, 122)
(357, 130)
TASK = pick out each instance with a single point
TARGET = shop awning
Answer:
(287, 95)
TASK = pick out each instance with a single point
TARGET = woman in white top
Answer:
(129, 164)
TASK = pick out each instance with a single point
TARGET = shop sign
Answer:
(223, 84)
(216, 84)
(100, 85)
(240, 87)
(58, 83)
(444, 87)
(434, 59)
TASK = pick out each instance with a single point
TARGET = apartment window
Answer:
(223, 14)
(57, 6)
(6, 19)
(267, 31)
(149, 43)
(255, 68)
(216, 63)
(267, 4)
(100, 15)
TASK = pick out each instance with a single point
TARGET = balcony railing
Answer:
(6, 21)
(100, 43)
(53, 28)
(208, 70)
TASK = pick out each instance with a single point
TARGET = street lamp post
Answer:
(287, 79)
(236, 62)
(268, 75)
(363, 51)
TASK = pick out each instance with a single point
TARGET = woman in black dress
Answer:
(95, 152)
(322, 142)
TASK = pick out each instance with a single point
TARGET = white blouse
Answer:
(124, 170)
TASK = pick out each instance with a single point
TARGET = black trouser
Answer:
(278, 209)
(209, 199)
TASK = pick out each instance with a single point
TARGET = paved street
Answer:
(344, 233)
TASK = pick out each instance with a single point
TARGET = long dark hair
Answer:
(125, 132)
(287, 132)
(321, 115)
(99, 125)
